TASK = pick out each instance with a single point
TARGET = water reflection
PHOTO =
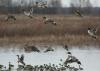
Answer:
(89, 57)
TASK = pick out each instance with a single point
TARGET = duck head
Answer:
(89, 28)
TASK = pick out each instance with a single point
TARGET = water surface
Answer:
(89, 56)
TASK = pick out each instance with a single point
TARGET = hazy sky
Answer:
(66, 3)
(95, 3)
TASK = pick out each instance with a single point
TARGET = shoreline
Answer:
(72, 40)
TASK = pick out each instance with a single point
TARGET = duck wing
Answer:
(78, 13)
(35, 49)
(49, 49)
(27, 13)
(22, 58)
(94, 31)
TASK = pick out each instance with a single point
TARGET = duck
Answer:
(66, 47)
(1, 66)
(92, 32)
(21, 59)
(31, 48)
(10, 17)
(49, 20)
(49, 49)
(28, 13)
(78, 13)
(10, 66)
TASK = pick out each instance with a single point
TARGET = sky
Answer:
(66, 3)
(95, 3)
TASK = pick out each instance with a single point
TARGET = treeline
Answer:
(52, 10)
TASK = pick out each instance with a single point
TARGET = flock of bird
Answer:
(31, 48)
(47, 20)
(30, 12)
(70, 59)
(91, 31)
(64, 66)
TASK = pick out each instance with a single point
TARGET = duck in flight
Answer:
(49, 49)
(92, 32)
(10, 17)
(31, 48)
(78, 13)
(28, 13)
(21, 59)
(49, 20)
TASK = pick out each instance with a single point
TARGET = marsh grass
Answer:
(69, 29)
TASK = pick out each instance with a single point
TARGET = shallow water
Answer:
(89, 57)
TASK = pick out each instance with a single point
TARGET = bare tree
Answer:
(81, 3)
(55, 3)
(5, 2)
(89, 7)
(84, 6)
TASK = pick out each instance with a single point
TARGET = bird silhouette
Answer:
(69, 53)
(49, 49)
(43, 4)
(92, 32)
(66, 47)
(61, 60)
(10, 17)
(10, 66)
(49, 20)
(72, 59)
(78, 13)
(31, 48)
(21, 59)
(79, 63)
(1, 66)
(28, 13)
